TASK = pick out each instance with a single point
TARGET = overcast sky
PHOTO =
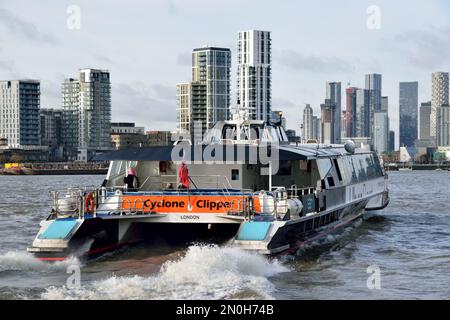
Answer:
(147, 47)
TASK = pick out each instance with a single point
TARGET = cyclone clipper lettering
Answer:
(163, 204)
(200, 204)
(213, 205)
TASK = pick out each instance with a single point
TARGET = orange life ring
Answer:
(89, 204)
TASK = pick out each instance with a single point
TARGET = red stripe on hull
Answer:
(98, 250)
(51, 258)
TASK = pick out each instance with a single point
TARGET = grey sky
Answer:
(147, 47)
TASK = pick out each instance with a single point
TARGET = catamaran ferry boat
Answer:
(245, 185)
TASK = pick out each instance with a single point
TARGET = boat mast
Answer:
(240, 117)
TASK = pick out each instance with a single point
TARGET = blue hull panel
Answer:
(59, 229)
(254, 231)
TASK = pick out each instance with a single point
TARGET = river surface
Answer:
(407, 244)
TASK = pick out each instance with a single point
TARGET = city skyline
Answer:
(144, 72)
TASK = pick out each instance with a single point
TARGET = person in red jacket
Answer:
(183, 174)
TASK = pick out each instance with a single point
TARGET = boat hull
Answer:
(97, 236)
(320, 235)
(279, 237)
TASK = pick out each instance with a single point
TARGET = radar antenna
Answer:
(241, 116)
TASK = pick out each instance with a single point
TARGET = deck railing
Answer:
(74, 202)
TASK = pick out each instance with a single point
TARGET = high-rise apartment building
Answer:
(408, 109)
(254, 73)
(307, 133)
(439, 97)
(362, 114)
(51, 126)
(192, 110)
(373, 85)
(350, 112)
(424, 124)
(206, 99)
(385, 103)
(317, 128)
(328, 117)
(333, 93)
(86, 105)
(51, 132)
(211, 67)
(443, 125)
(19, 113)
(391, 141)
(381, 132)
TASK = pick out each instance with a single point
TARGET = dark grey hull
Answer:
(296, 235)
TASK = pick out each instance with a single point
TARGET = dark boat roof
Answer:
(234, 152)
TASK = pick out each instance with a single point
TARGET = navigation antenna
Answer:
(240, 117)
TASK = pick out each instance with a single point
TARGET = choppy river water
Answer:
(409, 243)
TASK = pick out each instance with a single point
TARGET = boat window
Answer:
(285, 168)
(348, 169)
(330, 182)
(116, 166)
(115, 169)
(282, 134)
(273, 134)
(377, 164)
(345, 170)
(305, 165)
(164, 166)
(363, 166)
(354, 170)
(359, 169)
(228, 132)
(324, 166)
(371, 171)
(131, 164)
(338, 171)
(254, 132)
(214, 135)
(235, 174)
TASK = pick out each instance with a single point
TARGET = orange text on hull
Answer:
(182, 204)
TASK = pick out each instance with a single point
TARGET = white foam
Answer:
(205, 272)
(24, 261)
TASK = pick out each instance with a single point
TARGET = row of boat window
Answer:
(256, 131)
(359, 167)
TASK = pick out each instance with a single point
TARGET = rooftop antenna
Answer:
(240, 117)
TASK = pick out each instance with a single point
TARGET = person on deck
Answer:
(131, 180)
(183, 175)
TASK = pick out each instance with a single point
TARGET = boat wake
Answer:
(23, 261)
(204, 272)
